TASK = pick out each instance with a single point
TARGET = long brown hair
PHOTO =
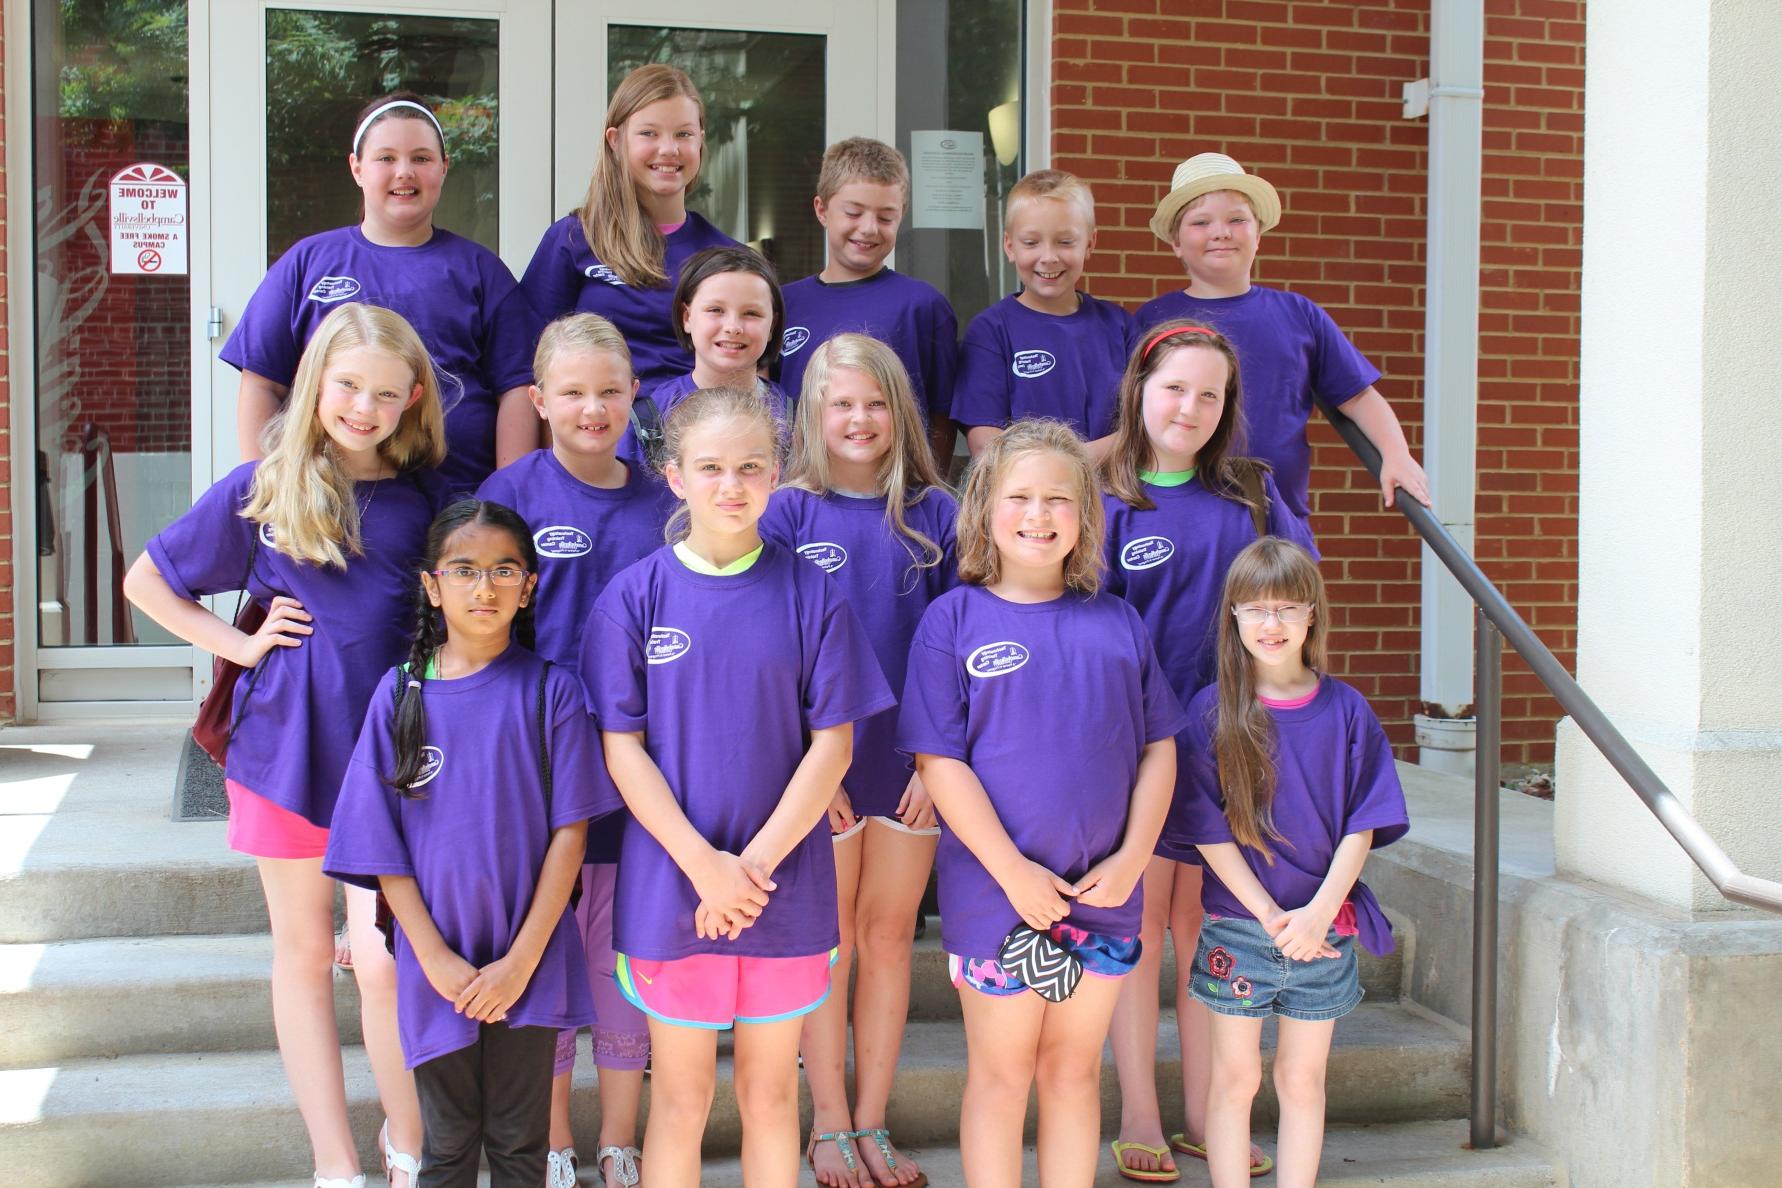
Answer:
(1131, 449)
(622, 235)
(1244, 735)
(907, 470)
(979, 562)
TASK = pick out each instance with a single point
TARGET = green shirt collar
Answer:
(684, 553)
(1166, 478)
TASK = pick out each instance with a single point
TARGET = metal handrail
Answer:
(1494, 616)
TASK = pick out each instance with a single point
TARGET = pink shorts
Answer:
(267, 830)
(717, 991)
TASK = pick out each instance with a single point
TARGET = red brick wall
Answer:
(1307, 93)
(8, 699)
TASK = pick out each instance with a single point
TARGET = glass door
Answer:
(780, 80)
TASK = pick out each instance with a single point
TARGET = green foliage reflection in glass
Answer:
(127, 60)
(322, 67)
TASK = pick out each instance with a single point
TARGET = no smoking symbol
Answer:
(148, 259)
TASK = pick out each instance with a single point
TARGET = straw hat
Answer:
(1202, 174)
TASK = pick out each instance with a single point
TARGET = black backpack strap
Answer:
(1249, 479)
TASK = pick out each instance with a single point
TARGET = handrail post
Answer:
(1487, 702)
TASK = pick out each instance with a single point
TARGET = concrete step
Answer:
(104, 997)
(73, 999)
(228, 1117)
(1403, 1154)
(87, 848)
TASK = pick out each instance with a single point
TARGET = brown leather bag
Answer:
(215, 724)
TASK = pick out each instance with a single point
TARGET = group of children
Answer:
(670, 789)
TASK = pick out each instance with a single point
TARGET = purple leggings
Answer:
(621, 1032)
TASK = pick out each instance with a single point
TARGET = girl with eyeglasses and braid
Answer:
(467, 804)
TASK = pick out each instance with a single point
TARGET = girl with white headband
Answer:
(457, 294)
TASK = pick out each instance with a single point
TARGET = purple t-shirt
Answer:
(726, 677)
(1334, 776)
(1170, 562)
(475, 841)
(849, 539)
(297, 714)
(1290, 353)
(908, 315)
(1017, 363)
(1051, 705)
(565, 277)
(667, 395)
(585, 536)
(456, 293)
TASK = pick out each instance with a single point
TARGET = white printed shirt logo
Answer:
(330, 289)
(1033, 364)
(996, 659)
(826, 556)
(1147, 552)
(793, 340)
(601, 272)
(432, 759)
(562, 540)
(266, 536)
(667, 644)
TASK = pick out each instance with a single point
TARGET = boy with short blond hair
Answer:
(1049, 350)
(1290, 351)
(863, 189)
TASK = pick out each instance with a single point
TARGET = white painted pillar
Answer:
(1680, 525)
(1451, 340)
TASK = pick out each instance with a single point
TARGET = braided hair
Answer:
(430, 629)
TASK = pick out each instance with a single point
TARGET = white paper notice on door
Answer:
(947, 175)
(148, 221)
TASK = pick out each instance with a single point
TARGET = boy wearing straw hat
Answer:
(1290, 351)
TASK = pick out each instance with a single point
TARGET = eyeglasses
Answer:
(1289, 615)
(466, 576)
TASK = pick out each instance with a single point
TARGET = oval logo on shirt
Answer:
(996, 659)
(828, 557)
(266, 536)
(432, 759)
(1147, 552)
(562, 540)
(667, 644)
(1032, 364)
(794, 339)
(601, 272)
(330, 289)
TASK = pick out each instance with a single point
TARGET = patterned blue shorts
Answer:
(1102, 956)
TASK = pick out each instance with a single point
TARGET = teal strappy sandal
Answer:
(843, 1140)
(881, 1138)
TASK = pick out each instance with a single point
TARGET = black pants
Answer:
(493, 1097)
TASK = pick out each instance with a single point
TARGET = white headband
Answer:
(392, 104)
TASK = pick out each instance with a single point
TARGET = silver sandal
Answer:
(624, 1164)
(560, 1168)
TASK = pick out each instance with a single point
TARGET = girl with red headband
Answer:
(1181, 502)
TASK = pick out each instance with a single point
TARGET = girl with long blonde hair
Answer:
(863, 501)
(620, 253)
(1289, 784)
(323, 534)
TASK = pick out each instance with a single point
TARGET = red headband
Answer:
(1207, 330)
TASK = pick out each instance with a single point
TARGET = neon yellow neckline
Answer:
(1166, 478)
(685, 554)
